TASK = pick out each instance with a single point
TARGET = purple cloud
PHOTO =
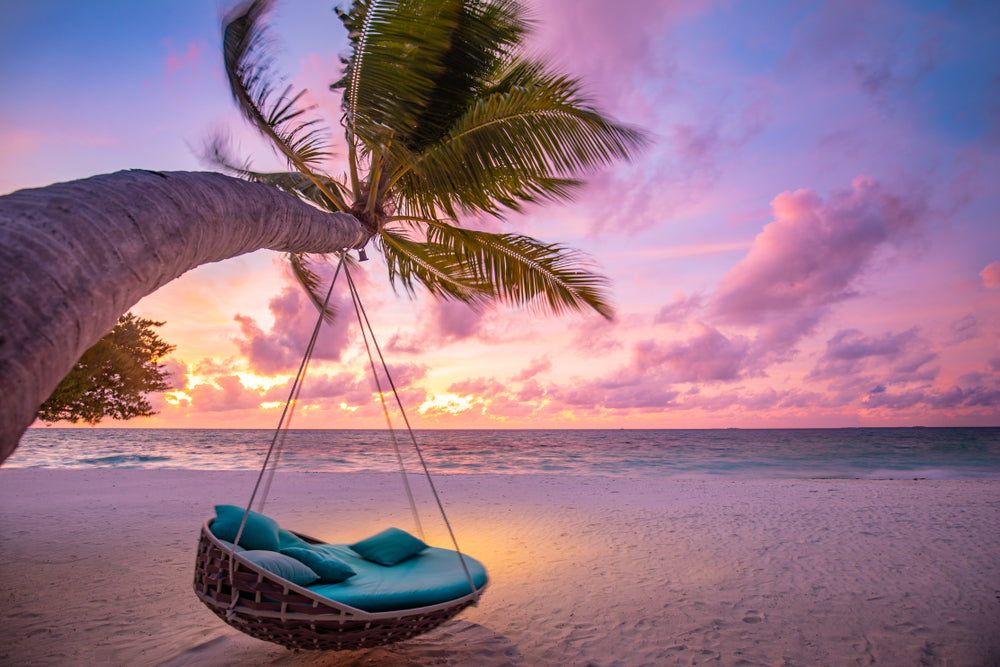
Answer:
(850, 37)
(965, 328)
(596, 335)
(610, 47)
(810, 257)
(709, 356)
(849, 354)
(534, 367)
(679, 310)
(441, 322)
(281, 349)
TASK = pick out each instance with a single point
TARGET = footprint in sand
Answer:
(753, 617)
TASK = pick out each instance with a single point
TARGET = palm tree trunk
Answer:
(74, 256)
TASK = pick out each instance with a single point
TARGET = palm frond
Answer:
(520, 141)
(434, 266)
(310, 280)
(521, 270)
(479, 40)
(278, 115)
(311, 189)
(395, 58)
(218, 153)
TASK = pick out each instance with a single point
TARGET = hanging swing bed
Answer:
(292, 589)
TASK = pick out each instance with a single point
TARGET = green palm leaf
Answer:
(434, 266)
(395, 56)
(443, 116)
(310, 280)
(516, 144)
(519, 270)
(276, 115)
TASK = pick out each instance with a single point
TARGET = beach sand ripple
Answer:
(96, 569)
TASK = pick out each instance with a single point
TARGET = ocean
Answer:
(865, 453)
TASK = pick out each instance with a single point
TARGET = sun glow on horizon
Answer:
(447, 403)
(176, 397)
(252, 380)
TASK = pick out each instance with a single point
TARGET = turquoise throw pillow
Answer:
(330, 570)
(285, 567)
(229, 545)
(389, 547)
(289, 540)
(261, 532)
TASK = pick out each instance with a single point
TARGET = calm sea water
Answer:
(765, 453)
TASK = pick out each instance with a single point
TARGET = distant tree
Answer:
(112, 377)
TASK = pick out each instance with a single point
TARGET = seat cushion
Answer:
(431, 577)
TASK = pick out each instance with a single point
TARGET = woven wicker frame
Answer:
(276, 610)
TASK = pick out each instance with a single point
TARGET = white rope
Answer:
(279, 435)
(278, 440)
(359, 307)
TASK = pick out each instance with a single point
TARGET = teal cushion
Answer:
(261, 532)
(331, 570)
(433, 576)
(289, 540)
(389, 547)
(285, 567)
(229, 545)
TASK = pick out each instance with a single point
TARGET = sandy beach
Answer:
(96, 568)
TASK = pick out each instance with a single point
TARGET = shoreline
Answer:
(96, 566)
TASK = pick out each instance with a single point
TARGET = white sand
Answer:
(95, 568)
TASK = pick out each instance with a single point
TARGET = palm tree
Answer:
(443, 116)
(74, 256)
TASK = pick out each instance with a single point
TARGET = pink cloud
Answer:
(708, 356)
(281, 349)
(531, 391)
(679, 310)
(991, 275)
(344, 386)
(441, 322)
(229, 394)
(479, 387)
(622, 390)
(596, 335)
(177, 373)
(403, 376)
(190, 58)
(810, 258)
(609, 46)
(534, 367)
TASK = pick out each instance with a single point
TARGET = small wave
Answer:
(122, 460)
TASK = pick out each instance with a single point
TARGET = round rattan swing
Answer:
(262, 604)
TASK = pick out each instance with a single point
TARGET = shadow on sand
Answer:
(457, 643)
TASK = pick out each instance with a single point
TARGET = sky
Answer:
(812, 239)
